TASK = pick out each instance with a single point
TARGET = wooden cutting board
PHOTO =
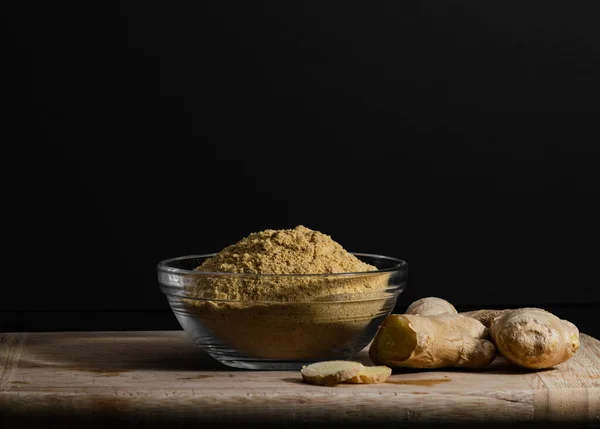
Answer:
(161, 376)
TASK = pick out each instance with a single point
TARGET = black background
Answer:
(459, 136)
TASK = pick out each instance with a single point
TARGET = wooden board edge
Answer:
(11, 346)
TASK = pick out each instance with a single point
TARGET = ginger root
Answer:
(440, 341)
(431, 306)
(432, 335)
(534, 338)
(530, 337)
(486, 316)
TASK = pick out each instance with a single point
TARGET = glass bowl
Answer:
(281, 321)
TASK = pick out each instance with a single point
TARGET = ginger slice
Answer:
(371, 375)
(330, 373)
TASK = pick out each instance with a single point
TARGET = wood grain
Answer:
(162, 376)
(10, 354)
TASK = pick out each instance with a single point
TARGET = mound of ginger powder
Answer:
(292, 316)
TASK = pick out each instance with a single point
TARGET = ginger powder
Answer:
(274, 310)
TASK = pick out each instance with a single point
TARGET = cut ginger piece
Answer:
(371, 375)
(330, 373)
(440, 341)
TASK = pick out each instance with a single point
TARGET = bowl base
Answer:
(289, 356)
(264, 365)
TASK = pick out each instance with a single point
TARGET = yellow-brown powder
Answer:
(288, 251)
(294, 316)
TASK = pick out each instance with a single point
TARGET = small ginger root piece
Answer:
(534, 338)
(530, 337)
(486, 316)
(440, 341)
(431, 306)
(371, 375)
(330, 373)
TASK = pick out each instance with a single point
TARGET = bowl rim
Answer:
(162, 266)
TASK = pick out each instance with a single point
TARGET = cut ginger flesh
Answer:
(398, 340)
(330, 373)
(371, 375)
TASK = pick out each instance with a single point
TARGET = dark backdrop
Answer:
(460, 136)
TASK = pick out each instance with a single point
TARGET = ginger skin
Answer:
(434, 336)
(486, 316)
(534, 338)
(439, 341)
(431, 306)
